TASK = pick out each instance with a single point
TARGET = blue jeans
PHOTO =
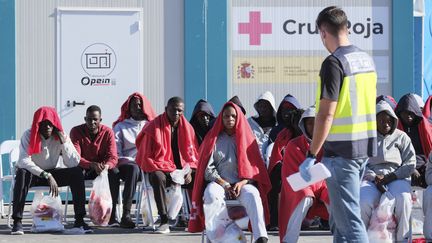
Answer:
(344, 194)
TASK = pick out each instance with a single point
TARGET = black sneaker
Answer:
(172, 222)
(324, 224)
(273, 228)
(181, 223)
(127, 223)
(113, 223)
(261, 240)
(81, 224)
(17, 228)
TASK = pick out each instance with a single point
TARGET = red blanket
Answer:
(154, 145)
(425, 134)
(279, 145)
(427, 110)
(295, 153)
(427, 107)
(250, 165)
(146, 108)
(43, 113)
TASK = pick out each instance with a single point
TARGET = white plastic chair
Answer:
(11, 148)
(145, 185)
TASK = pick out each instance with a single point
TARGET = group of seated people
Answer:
(230, 156)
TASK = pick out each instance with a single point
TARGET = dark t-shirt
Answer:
(413, 133)
(175, 148)
(332, 75)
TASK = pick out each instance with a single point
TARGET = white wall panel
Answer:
(35, 51)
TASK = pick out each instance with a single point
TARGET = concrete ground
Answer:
(117, 235)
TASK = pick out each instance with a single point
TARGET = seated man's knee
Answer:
(135, 170)
(77, 172)
(250, 192)
(157, 178)
(21, 172)
(213, 192)
(131, 169)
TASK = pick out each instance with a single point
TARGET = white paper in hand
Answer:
(318, 172)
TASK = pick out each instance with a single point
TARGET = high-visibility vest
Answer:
(353, 131)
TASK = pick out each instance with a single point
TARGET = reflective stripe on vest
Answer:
(355, 117)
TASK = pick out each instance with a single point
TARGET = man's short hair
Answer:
(175, 100)
(93, 108)
(333, 18)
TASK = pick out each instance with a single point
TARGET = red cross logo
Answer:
(254, 28)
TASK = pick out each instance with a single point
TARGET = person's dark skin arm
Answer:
(97, 167)
(60, 135)
(238, 186)
(53, 186)
(227, 187)
(381, 181)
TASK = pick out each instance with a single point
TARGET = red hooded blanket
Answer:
(146, 108)
(295, 154)
(154, 145)
(43, 113)
(250, 165)
(279, 145)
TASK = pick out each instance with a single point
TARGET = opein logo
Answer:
(98, 60)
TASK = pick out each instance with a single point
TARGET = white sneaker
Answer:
(163, 229)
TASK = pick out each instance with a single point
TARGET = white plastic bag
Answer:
(177, 176)
(216, 219)
(145, 209)
(232, 234)
(174, 200)
(382, 225)
(417, 212)
(100, 202)
(219, 227)
(47, 213)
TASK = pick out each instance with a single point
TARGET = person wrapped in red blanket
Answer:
(288, 116)
(309, 202)
(165, 144)
(231, 163)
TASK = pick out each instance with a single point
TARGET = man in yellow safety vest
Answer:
(345, 123)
